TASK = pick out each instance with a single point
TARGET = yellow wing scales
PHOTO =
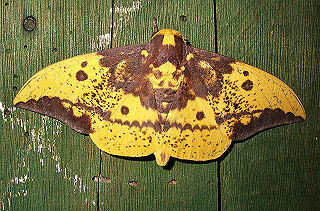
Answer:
(245, 100)
(198, 137)
(80, 85)
(272, 92)
(163, 97)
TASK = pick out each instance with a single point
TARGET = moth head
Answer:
(169, 36)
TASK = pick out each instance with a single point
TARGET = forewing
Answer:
(232, 101)
(98, 94)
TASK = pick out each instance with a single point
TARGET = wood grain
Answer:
(44, 164)
(47, 166)
(276, 169)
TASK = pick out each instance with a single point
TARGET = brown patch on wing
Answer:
(247, 85)
(84, 64)
(81, 75)
(53, 107)
(147, 95)
(221, 65)
(201, 80)
(206, 79)
(124, 110)
(200, 115)
(156, 126)
(133, 78)
(269, 118)
(205, 74)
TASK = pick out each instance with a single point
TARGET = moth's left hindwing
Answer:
(95, 94)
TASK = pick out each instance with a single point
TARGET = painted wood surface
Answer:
(278, 168)
(47, 166)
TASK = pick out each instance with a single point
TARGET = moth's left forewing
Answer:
(99, 94)
(245, 99)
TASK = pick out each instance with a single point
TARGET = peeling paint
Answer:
(20, 180)
(102, 41)
(2, 108)
(43, 147)
(126, 10)
(58, 167)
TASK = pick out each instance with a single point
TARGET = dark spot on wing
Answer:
(245, 73)
(200, 115)
(161, 83)
(84, 64)
(157, 74)
(219, 120)
(170, 84)
(124, 110)
(81, 75)
(247, 85)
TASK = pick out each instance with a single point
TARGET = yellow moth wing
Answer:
(267, 90)
(194, 134)
(255, 100)
(81, 92)
(60, 79)
(249, 100)
(231, 101)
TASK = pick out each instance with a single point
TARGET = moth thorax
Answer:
(166, 75)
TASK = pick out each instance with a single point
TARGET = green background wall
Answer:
(47, 166)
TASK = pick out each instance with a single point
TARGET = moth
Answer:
(163, 97)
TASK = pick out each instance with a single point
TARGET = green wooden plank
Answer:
(44, 164)
(278, 168)
(196, 184)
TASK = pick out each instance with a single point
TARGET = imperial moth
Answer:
(163, 97)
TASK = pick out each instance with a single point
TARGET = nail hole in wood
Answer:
(183, 18)
(102, 179)
(29, 23)
(6, 111)
(173, 182)
(133, 183)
